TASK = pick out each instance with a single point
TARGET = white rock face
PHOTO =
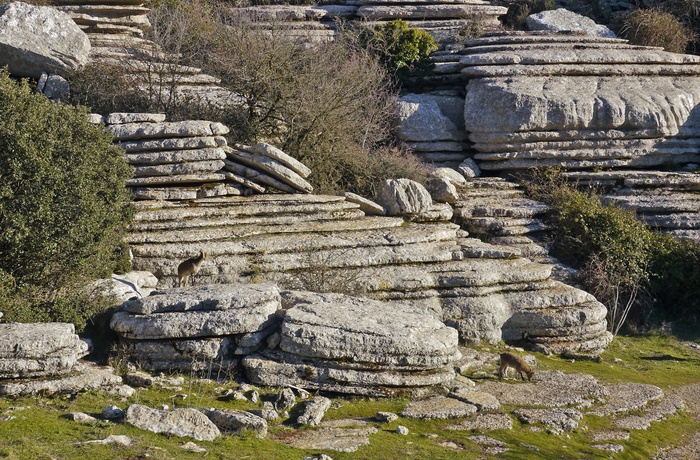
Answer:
(561, 19)
(180, 422)
(36, 39)
(425, 117)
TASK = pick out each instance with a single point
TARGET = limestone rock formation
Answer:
(563, 20)
(38, 349)
(595, 103)
(197, 328)
(180, 422)
(325, 346)
(36, 39)
(433, 127)
(403, 197)
(237, 421)
(267, 166)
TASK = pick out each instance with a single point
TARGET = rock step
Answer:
(638, 179)
(519, 208)
(221, 229)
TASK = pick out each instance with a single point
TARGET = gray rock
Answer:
(82, 418)
(610, 447)
(205, 298)
(483, 401)
(36, 39)
(180, 422)
(450, 175)
(438, 407)
(161, 157)
(285, 399)
(325, 326)
(402, 430)
(561, 20)
(403, 197)
(425, 117)
(211, 354)
(624, 397)
(141, 131)
(272, 167)
(112, 413)
(120, 118)
(56, 87)
(484, 422)
(442, 190)
(174, 143)
(237, 421)
(557, 419)
(469, 168)
(337, 435)
(111, 439)
(139, 379)
(386, 417)
(277, 154)
(314, 410)
(369, 207)
(85, 377)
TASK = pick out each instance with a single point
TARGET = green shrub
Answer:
(402, 49)
(654, 27)
(63, 204)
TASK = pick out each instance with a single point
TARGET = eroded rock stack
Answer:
(39, 350)
(191, 159)
(594, 103)
(664, 200)
(325, 243)
(432, 125)
(442, 19)
(350, 345)
(203, 328)
(108, 17)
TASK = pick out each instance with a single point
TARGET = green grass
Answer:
(41, 432)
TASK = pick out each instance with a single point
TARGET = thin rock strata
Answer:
(324, 347)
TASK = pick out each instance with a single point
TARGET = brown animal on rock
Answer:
(516, 362)
(189, 268)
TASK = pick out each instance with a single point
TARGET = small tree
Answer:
(63, 204)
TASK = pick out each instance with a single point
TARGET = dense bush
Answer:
(655, 27)
(63, 205)
(620, 260)
(403, 50)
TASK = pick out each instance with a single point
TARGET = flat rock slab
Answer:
(484, 422)
(482, 400)
(625, 397)
(657, 412)
(337, 436)
(237, 421)
(38, 340)
(205, 298)
(557, 419)
(552, 389)
(314, 410)
(193, 128)
(180, 422)
(326, 326)
(85, 377)
(211, 353)
(438, 407)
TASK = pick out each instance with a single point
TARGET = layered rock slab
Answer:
(197, 327)
(38, 349)
(325, 346)
(593, 103)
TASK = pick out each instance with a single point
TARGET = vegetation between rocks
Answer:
(63, 206)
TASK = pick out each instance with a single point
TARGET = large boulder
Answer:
(180, 422)
(36, 39)
(403, 197)
(354, 345)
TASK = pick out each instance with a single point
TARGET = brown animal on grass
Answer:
(516, 362)
(189, 268)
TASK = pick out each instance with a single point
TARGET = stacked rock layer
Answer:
(442, 19)
(39, 350)
(197, 329)
(325, 243)
(579, 102)
(191, 159)
(323, 345)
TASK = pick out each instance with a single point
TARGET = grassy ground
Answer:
(40, 430)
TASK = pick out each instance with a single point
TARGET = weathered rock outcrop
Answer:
(197, 328)
(563, 20)
(36, 39)
(351, 345)
(325, 243)
(433, 127)
(595, 103)
(38, 350)
(180, 422)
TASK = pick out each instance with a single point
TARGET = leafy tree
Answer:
(63, 204)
